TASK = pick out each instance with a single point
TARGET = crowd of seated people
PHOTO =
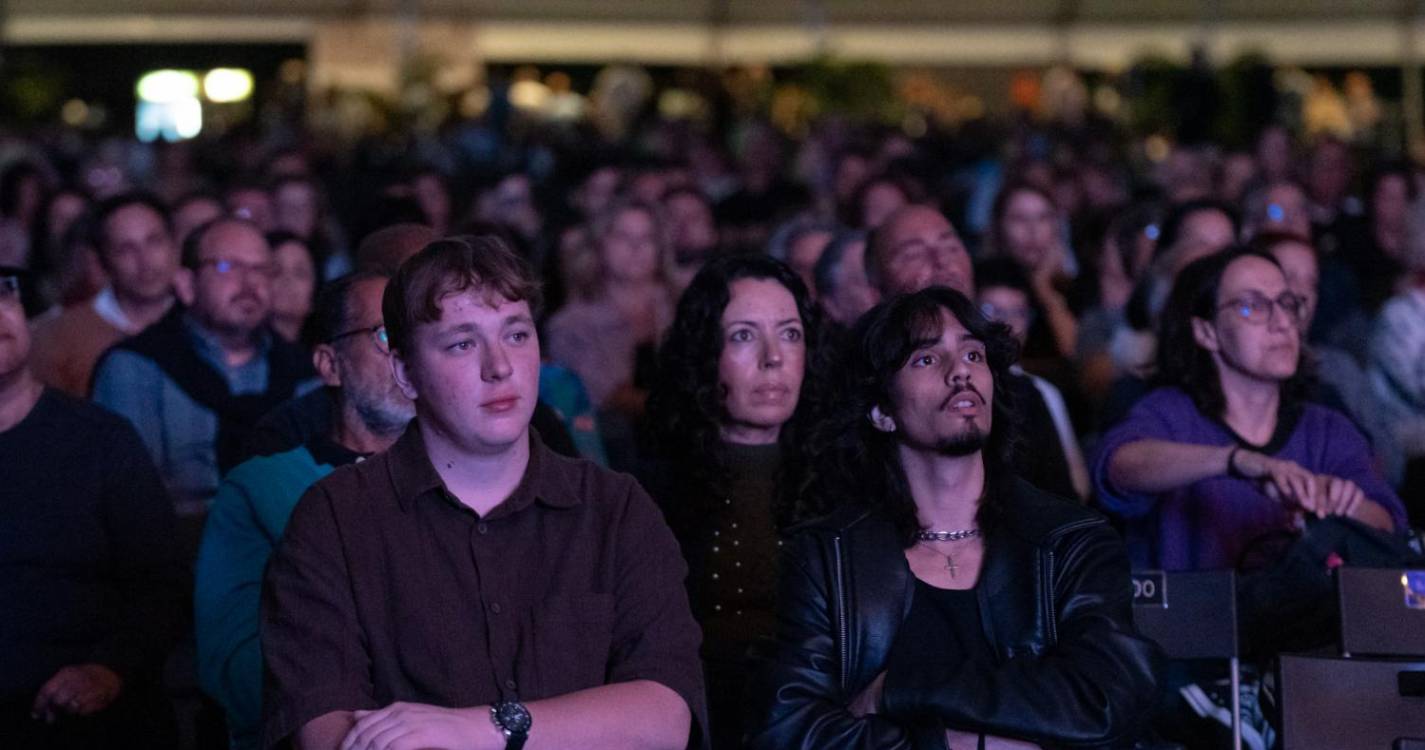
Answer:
(675, 441)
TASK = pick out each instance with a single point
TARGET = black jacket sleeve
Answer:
(800, 700)
(1094, 687)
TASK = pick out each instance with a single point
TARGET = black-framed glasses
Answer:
(376, 332)
(1257, 308)
(9, 287)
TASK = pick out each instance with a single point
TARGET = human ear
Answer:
(881, 421)
(402, 374)
(1205, 334)
(324, 360)
(183, 283)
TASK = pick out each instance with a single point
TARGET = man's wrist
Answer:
(487, 736)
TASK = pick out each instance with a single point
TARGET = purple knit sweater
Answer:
(1210, 523)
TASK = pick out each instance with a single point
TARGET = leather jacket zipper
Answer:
(841, 623)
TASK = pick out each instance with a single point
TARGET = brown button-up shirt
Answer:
(385, 588)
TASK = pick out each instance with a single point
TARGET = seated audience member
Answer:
(1004, 296)
(1280, 207)
(256, 498)
(1193, 230)
(877, 197)
(728, 447)
(1397, 343)
(949, 603)
(89, 572)
(799, 243)
(609, 339)
(1027, 228)
(468, 585)
(1342, 382)
(135, 246)
(842, 290)
(196, 382)
(68, 271)
(294, 284)
(916, 248)
(192, 211)
(1227, 451)
(692, 234)
(251, 202)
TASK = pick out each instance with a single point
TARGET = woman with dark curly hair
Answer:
(726, 419)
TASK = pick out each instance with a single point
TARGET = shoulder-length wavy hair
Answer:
(857, 464)
(687, 406)
(1185, 364)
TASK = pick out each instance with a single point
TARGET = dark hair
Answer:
(686, 406)
(482, 263)
(1172, 227)
(12, 178)
(1381, 173)
(824, 272)
(1185, 364)
(332, 313)
(857, 464)
(851, 214)
(1004, 273)
(106, 209)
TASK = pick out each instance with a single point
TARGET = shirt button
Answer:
(717, 607)
(716, 548)
(510, 684)
(734, 524)
(714, 576)
(495, 608)
(483, 528)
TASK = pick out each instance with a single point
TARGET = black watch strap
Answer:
(513, 720)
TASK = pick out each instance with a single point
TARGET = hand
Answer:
(1336, 497)
(80, 690)
(1283, 481)
(869, 701)
(416, 726)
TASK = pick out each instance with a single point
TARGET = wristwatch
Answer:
(513, 720)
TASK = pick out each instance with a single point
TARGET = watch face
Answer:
(512, 717)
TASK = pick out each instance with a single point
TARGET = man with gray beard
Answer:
(257, 497)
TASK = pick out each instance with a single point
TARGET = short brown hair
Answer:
(483, 263)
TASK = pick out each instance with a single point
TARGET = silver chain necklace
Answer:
(946, 536)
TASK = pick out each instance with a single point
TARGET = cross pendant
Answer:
(950, 565)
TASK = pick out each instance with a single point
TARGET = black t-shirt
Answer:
(89, 570)
(943, 628)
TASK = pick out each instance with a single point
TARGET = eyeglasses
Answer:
(1257, 308)
(230, 267)
(376, 332)
(9, 288)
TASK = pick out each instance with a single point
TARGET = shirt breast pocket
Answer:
(573, 636)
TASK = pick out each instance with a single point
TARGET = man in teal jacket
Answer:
(256, 498)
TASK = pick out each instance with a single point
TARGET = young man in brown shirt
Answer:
(470, 588)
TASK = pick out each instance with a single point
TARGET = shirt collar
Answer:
(328, 452)
(211, 350)
(106, 306)
(548, 478)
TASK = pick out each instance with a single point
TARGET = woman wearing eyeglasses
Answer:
(1226, 451)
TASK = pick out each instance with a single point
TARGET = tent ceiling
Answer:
(949, 12)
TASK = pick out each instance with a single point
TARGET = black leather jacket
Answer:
(1055, 598)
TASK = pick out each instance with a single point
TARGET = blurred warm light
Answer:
(292, 71)
(474, 102)
(1157, 147)
(1107, 100)
(162, 86)
(529, 94)
(224, 85)
(74, 113)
